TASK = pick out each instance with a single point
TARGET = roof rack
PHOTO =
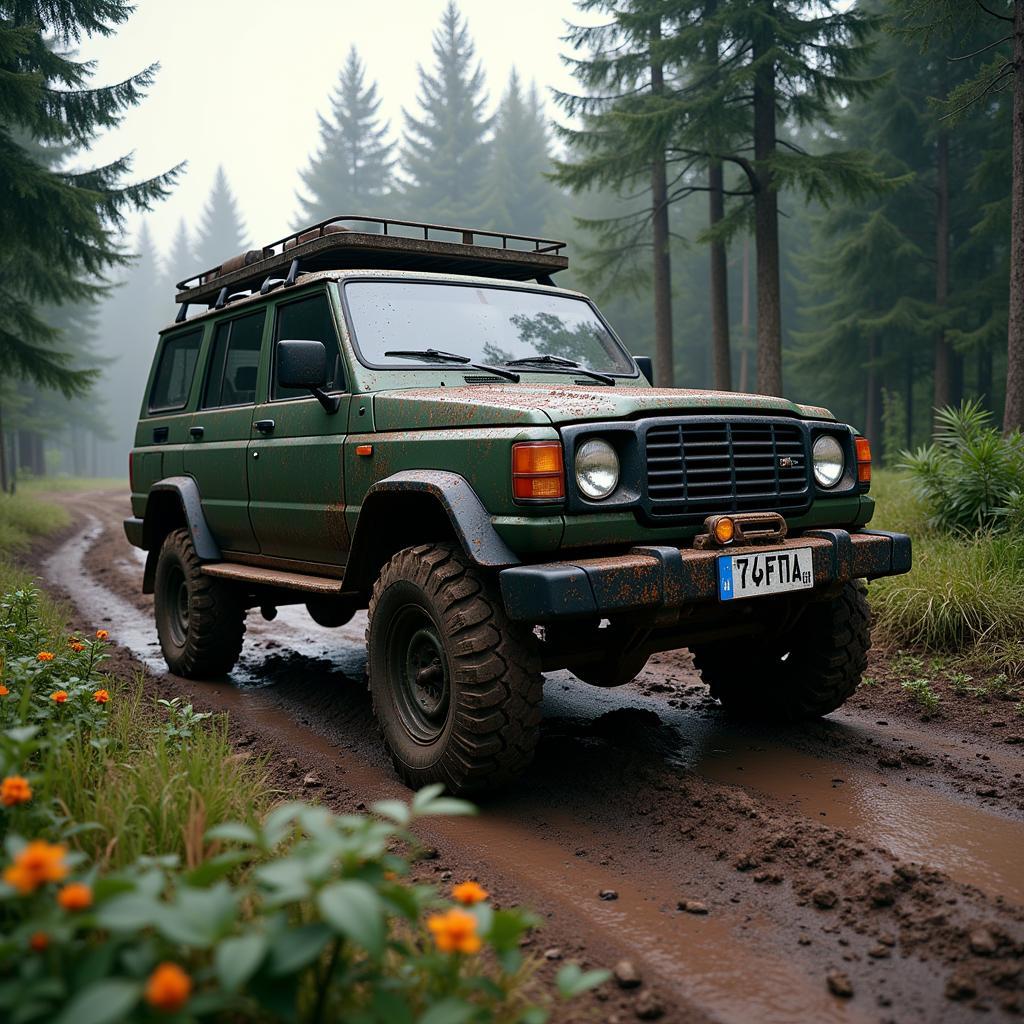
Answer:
(379, 243)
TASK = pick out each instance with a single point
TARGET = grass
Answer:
(63, 484)
(24, 518)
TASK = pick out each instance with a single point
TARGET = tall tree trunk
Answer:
(944, 369)
(766, 223)
(3, 457)
(909, 395)
(721, 356)
(1013, 416)
(745, 319)
(664, 369)
(873, 396)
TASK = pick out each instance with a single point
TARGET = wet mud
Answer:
(858, 855)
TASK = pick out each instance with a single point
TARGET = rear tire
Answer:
(199, 619)
(806, 672)
(456, 686)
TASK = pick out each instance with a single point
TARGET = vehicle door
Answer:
(296, 475)
(217, 453)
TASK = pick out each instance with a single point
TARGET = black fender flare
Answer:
(182, 491)
(469, 519)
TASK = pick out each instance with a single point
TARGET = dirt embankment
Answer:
(865, 868)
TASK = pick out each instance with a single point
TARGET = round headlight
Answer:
(829, 461)
(597, 469)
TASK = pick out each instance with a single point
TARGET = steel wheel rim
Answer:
(418, 673)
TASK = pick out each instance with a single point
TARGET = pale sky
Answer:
(241, 83)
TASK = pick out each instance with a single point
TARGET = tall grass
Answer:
(24, 518)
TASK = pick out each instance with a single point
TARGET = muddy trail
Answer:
(863, 868)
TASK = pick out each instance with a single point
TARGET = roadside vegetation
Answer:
(959, 615)
(150, 872)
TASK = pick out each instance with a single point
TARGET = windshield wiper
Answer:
(434, 355)
(556, 364)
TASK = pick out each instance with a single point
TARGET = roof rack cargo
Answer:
(380, 243)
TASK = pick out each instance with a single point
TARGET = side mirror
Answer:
(646, 367)
(303, 364)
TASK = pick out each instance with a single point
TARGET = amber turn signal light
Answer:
(724, 530)
(863, 446)
(538, 471)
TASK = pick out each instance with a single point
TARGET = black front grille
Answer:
(699, 467)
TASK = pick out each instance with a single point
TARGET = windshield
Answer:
(482, 324)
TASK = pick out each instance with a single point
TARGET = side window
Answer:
(175, 371)
(308, 320)
(231, 379)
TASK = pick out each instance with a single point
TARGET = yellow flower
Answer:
(469, 893)
(15, 790)
(101, 696)
(455, 932)
(102, 634)
(38, 863)
(168, 988)
(44, 656)
(75, 896)
(59, 696)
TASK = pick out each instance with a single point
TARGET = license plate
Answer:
(764, 572)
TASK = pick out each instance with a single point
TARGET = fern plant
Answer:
(971, 477)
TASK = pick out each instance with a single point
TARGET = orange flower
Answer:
(39, 942)
(59, 696)
(76, 645)
(102, 634)
(15, 790)
(38, 863)
(44, 656)
(3, 690)
(101, 696)
(455, 931)
(168, 988)
(469, 893)
(75, 896)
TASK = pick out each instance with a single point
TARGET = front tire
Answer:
(199, 620)
(456, 686)
(805, 672)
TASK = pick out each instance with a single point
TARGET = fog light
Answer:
(724, 530)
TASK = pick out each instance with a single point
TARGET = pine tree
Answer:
(58, 228)
(181, 262)
(351, 171)
(445, 151)
(521, 196)
(222, 232)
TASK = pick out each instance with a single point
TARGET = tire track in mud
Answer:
(659, 802)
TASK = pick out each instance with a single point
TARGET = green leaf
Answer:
(22, 733)
(233, 831)
(396, 810)
(215, 868)
(131, 912)
(429, 801)
(102, 1002)
(296, 948)
(572, 981)
(354, 909)
(237, 958)
(448, 1011)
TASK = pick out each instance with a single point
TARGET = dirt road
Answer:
(865, 868)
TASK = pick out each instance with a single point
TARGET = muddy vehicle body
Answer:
(414, 420)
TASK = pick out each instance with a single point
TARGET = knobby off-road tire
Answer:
(199, 619)
(807, 672)
(456, 686)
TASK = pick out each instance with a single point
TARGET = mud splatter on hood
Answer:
(492, 405)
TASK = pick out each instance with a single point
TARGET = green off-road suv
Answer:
(412, 419)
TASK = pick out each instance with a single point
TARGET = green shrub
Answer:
(970, 477)
(23, 518)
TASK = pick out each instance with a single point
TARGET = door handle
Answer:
(160, 434)
(197, 432)
(264, 426)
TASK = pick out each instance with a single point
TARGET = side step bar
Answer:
(274, 578)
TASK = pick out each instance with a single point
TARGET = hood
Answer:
(522, 404)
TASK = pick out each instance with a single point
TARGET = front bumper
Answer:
(669, 577)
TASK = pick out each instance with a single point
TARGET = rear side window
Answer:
(234, 362)
(175, 371)
(309, 320)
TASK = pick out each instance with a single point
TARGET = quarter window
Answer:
(177, 367)
(309, 320)
(234, 362)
